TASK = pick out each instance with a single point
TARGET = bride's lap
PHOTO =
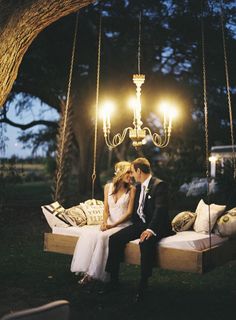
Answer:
(109, 232)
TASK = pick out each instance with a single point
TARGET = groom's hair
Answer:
(143, 164)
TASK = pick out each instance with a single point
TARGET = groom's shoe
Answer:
(143, 285)
(110, 287)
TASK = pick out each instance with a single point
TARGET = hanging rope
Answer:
(205, 100)
(206, 120)
(139, 41)
(228, 88)
(64, 129)
(96, 105)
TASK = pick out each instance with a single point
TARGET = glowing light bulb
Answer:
(107, 109)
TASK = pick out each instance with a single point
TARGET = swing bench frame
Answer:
(166, 258)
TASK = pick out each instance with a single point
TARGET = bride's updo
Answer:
(121, 168)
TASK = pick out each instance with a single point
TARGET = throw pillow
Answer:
(183, 221)
(201, 223)
(226, 224)
(75, 215)
(93, 211)
(52, 212)
(93, 202)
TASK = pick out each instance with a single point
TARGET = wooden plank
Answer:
(59, 243)
(179, 260)
(219, 255)
(167, 258)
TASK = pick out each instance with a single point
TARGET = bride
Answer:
(91, 250)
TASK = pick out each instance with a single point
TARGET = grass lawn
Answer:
(29, 277)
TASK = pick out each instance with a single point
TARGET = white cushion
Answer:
(201, 223)
(191, 240)
(226, 225)
(183, 221)
(185, 240)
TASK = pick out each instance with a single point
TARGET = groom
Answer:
(150, 224)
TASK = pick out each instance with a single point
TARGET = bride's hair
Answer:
(121, 168)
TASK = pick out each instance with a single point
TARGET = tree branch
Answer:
(30, 124)
(20, 23)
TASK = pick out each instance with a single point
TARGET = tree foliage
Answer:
(171, 58)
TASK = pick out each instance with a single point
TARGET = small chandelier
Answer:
(136, 133)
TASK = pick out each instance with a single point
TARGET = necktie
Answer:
(141, 204)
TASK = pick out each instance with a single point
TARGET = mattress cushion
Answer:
(185, 240)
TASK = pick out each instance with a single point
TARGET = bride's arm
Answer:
(127, 215)
(106, 208)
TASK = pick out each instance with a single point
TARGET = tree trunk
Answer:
(20, 23)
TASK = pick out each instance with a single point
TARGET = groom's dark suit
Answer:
(156, 218)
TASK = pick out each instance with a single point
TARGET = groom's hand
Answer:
(145, 235)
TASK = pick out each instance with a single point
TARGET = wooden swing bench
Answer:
(166, 258)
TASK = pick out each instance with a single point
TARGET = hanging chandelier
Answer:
(136, 133)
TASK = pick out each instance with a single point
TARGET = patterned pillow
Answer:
(226, 224)
(201, 223)
(183, 221)
(75, 216)
(93, 202)
(93, 210)
(52, 213)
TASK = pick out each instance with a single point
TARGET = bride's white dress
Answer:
(91, 250)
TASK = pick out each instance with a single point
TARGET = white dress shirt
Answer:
(142, 197)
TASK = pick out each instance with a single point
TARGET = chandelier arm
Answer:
(167, 134)
(159, 141)
(108, 142)
(117, 139)
(165, 142)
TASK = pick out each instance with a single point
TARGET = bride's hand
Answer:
(109, 226)
(103, 226)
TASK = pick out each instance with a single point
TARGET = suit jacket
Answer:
(155, 207)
